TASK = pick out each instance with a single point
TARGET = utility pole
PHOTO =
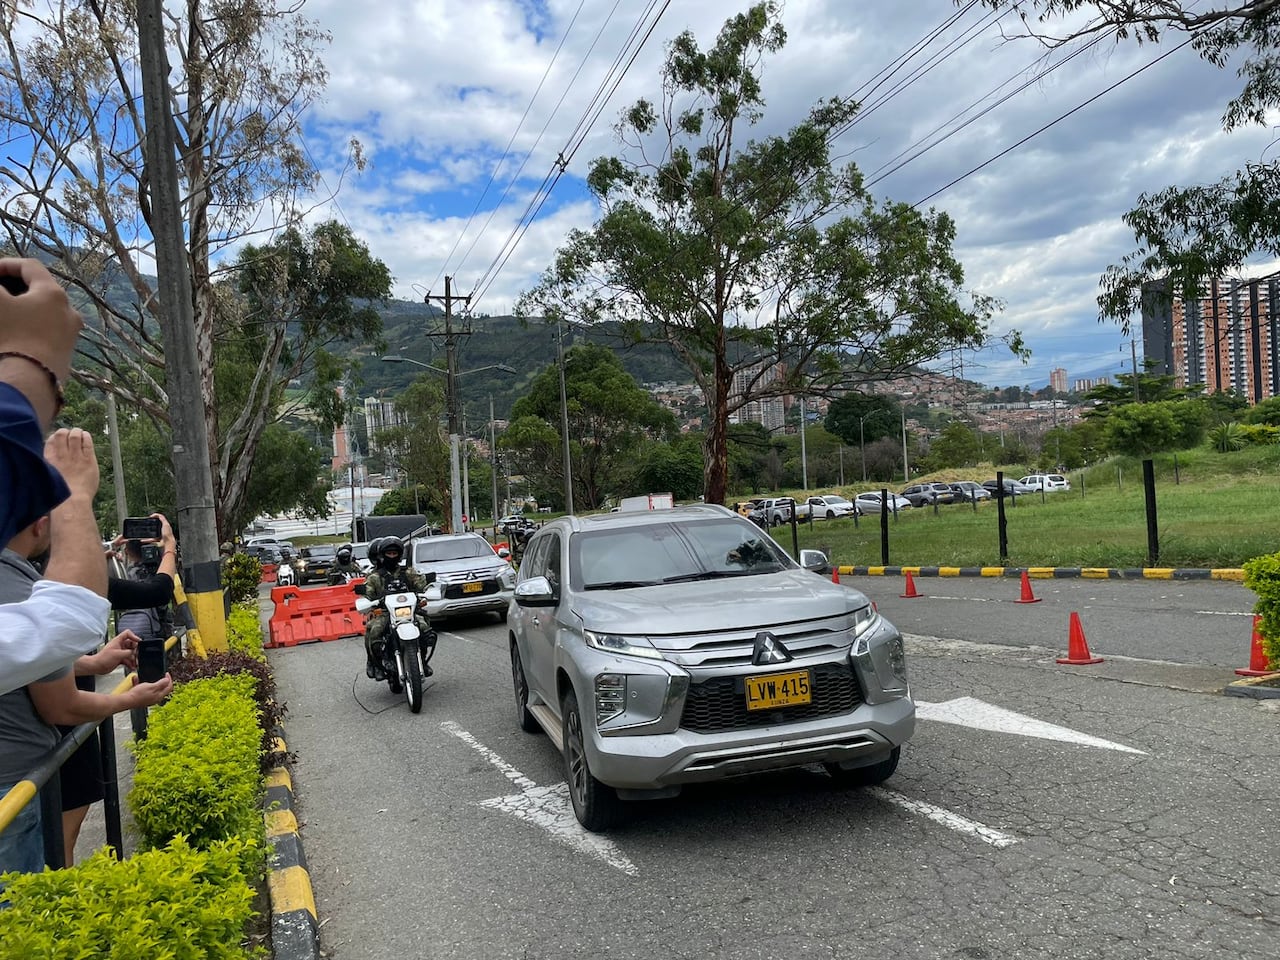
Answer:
(862, 447)
(493, 460)
(564, 426)
(193, 479)
(451, 401)
(466, 473)
(906, 470)
(1133, 349)
(804, 457)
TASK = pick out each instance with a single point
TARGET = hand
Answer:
(71, 452)
(40, 322)
(120, 650)
(149, 694)
(166, 532)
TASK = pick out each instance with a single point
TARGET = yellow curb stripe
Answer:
(278, 777)
(1157, 573)
(291, 890)
(914, 571)
(991, 571)
(1226, 573)
(277, 745)
(1041, 573)
(948, 571)
(280, 822)
(1095, 573)
(875, 571)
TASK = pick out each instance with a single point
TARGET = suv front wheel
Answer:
(595, 805)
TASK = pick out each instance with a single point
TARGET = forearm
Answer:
(37, 636)
(76, 555)
(33, 383)
(85, 707)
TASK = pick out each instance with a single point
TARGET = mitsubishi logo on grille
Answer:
(769, 649)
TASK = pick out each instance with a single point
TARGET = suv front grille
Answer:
(721, 703)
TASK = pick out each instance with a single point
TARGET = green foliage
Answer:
(858, 418)
(400, 501)
(177, 903)
(1228, 437)
(956, 446)
(197, 772)
(1260, 434)
(1266, 411)
(1141, 429)
(241, 575)
(270, 710)
(418, 449)
(1262, 576)
(244, 629)
(669, 468)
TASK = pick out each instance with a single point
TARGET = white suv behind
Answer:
(469, 576)
(1048, 482)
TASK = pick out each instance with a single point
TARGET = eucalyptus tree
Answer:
(764, 267)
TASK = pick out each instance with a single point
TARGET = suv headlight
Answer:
(507, 577)
(627, 646)
(898, 659)
(435, 591)
(863, 618)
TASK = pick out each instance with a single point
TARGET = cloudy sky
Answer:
(436, 90)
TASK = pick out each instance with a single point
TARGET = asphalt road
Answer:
(445, 834)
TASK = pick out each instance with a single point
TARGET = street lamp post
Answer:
(862, 448)
(493, 461)
(451, 406)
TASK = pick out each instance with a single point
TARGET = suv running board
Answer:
(549, 722)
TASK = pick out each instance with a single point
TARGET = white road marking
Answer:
(1223, 613)
(969, 712)
(952, 821)
(545, 807)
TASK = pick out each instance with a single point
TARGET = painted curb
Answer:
(295, 931)
(1053, 573)
(1254, 687)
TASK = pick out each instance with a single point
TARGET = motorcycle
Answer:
(405, 650)
(285, 576)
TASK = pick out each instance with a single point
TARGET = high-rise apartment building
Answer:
(769, 411)
(1225, 339)
(1058, 380)
(379, 415)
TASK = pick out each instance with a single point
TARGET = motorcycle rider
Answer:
(345, 567)
(386, 554)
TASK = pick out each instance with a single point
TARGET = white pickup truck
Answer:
(826, 507)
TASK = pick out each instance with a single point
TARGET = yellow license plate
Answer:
(778, 690)
(474, 587)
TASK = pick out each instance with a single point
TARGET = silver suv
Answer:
(670, 647)
(469, 576)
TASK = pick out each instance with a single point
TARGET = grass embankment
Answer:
(1223, 510)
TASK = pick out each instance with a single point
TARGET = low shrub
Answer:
(198, 772)
(270, 711)
(241, 575)
(178, 902)
(244, 630)
(1262, 576)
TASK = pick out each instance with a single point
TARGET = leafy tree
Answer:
(418, 447)
(1267, 411)
(406, 500)
(884, 460)
(863, 417)
(1061, 447)
(1187, 235)
(610, 415)
(674, 468)
(956, 446)
(1141, 429)
(748, 445)
(75, 183)
(766, 269)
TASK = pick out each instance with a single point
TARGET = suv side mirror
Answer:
(536, 592)
(814, 560)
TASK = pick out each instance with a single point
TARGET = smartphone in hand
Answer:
(142, 528)
(151, 661)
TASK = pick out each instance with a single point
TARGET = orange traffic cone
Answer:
(1077, 647)
(911, 589)
(1027, 595)
(835, 574)
(1257, 656)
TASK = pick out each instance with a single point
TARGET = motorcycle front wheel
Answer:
(411, 674)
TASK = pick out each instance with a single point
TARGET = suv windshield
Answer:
(655, 553)
(462, 548)
(319, 553)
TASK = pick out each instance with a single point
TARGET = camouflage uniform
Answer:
(375, 588)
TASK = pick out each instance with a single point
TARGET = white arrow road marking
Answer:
(968, 712)
(545, 807)
(952, 821)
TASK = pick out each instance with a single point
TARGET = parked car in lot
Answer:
(829, 506)
(869, 502)
(314, 563)
(1012, 488)
(927, 494)
(967, 491)
(670, 647)
(509, 524)
(1048, 482)
(774, 510)
(468, 576)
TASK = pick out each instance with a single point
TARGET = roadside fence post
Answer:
(1002, 525)
(1149, 489)
(884, 527)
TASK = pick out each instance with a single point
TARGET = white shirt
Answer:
(57, 624)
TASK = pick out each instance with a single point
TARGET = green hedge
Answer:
(244, 630)
(1262, 576)
(197, 773)
(241, 575)
(178, 903)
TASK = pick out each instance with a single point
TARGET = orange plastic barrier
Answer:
(499, 546)
(269, 573)
(307, 616)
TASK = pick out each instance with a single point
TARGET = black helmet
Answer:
(344, 552)
(391, 543)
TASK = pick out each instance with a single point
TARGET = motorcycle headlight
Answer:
(627, 646)
(404, 612)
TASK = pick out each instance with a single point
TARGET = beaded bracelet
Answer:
(58, 397)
